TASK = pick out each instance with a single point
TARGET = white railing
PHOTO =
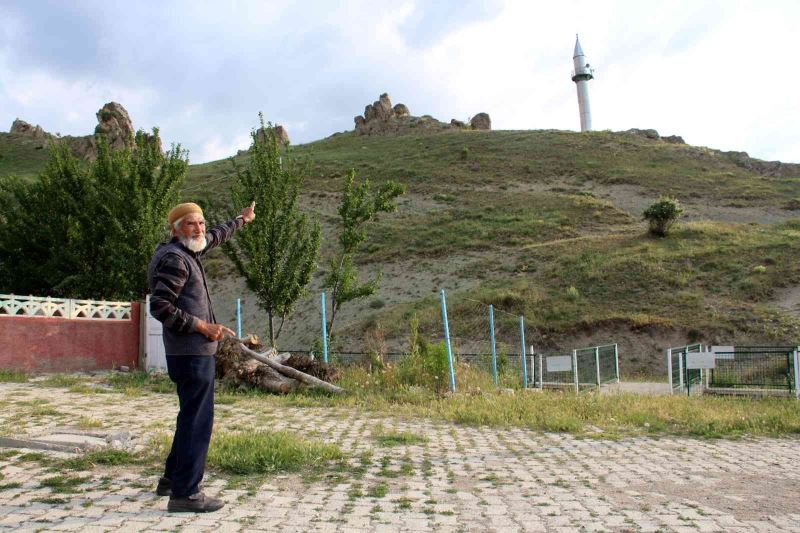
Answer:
(35, 306)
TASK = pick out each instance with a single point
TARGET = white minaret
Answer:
(581, 76)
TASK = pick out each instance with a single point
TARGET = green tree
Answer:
(662, 215)
(359, 206)
(88, 231)
(278, 253)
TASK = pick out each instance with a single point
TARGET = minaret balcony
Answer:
(581, 76)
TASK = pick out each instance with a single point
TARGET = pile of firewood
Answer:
(245, 364)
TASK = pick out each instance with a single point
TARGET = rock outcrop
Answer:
(113, 122)
(775, 169)
(22, 128)
(281, 135)
(381, 118)
(481, 121)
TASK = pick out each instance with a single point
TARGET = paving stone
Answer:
(464, 479)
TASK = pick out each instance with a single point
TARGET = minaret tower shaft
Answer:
(581, 76)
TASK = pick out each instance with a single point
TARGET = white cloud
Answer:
(717, 73)
(219, 148)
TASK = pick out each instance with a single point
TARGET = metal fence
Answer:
(754, 368)
(485, 337)
(681, 379)
(584, 368)
(735, 370)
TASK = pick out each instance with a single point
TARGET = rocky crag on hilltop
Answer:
(775, 169)
(113, 122)
(382, 118)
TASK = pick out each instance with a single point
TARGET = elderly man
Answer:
(180, 301)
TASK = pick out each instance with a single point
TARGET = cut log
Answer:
(289, 371)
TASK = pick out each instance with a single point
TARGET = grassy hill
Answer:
(545, 224)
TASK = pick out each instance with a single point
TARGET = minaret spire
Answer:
(581, 76)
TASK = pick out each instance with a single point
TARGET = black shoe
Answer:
(164, 487)
(196, 503)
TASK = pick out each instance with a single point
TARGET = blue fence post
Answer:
(447, 343)
(524, 355)
(239, 318)
(494, 350)
(324, 329)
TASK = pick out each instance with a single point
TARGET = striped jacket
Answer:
(179, 292)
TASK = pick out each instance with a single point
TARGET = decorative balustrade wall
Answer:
(57, 335)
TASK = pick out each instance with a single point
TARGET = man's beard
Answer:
(195, 244)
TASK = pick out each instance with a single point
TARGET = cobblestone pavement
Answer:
(458, 479)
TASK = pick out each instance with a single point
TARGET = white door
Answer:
(155, 355)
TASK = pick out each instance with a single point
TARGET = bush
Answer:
(662, 215)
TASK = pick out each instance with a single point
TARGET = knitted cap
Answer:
(181, 210)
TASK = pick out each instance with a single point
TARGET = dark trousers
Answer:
(194, 376)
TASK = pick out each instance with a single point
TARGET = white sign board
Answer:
(700, 360)
(559, 363)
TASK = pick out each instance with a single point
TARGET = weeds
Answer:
(12, 376)
(266, 452)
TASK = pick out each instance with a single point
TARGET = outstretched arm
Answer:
(221, 233)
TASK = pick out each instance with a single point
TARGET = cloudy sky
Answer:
(722, 74)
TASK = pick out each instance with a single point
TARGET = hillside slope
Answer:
(548, 224)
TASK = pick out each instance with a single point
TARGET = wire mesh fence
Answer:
(475, 335)
(734, 369)
(679, 378)
(754, 367)
(590, 367)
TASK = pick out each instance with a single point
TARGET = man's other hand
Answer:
(249, 213)
(214, 332)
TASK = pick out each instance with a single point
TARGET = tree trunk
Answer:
(243, 367)
(291, 372)
(271, 329)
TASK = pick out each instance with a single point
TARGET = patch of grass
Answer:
(616, 415)
(12, 376)
(395, 438)
(87, 422)
(266, 452)
(51, 500)
(10, 486)
(137, 382)
(403, 503)
(378, 491)
(110, 457)
(64, 484)
(61, 380)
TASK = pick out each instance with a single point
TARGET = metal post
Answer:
(532, 361)
(680, 371)
(686, 371)
(575, 370)
(447, 342)
(541, 376)
(616, 360)
(669, 368)
(597, 364)
(239, 318)
(524, 354)
(494, 349)
(797, 373)
(324, 329)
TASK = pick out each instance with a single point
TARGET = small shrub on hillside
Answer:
(573, 294)
(662, 215)
(465, 153)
